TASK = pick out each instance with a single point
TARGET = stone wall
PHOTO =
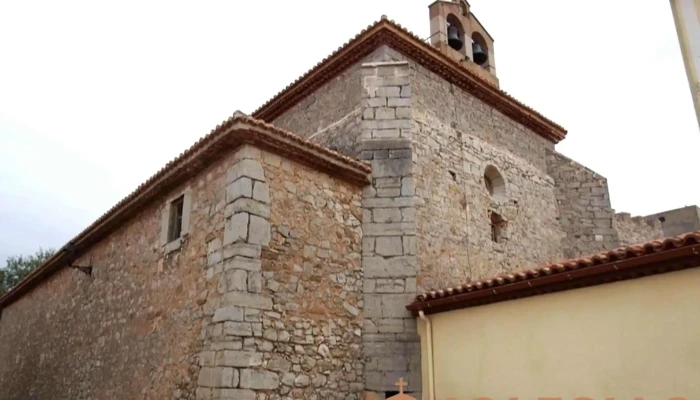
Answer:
(131, 330)
(635, 230)
(330, 115)
(456, 137)
(390, 341)
(342, 136)
(584, 207)
(261, 298)
(284, 313)
(469, 115)
(679, 221)
(454, 207)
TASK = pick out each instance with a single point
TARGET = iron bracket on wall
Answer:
(87, 270)
(70, 248)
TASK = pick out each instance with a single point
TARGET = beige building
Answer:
(274, 259)
(620, 325)
(686, 15)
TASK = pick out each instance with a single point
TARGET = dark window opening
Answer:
(494, 182)
(393, 393)
(489, 185)
(497, 227)
(662, 219)
(175, 225)
(454, 175)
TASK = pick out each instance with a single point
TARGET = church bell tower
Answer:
(456, 32)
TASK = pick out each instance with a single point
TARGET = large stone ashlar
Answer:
(227, 371)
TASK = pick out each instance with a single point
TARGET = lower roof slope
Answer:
(658, 256)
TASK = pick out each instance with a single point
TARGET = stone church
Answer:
(275, 258)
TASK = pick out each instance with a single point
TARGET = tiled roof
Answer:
(386, 32)
(626, 262)
(239, 129)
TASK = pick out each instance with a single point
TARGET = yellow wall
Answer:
(630, 339)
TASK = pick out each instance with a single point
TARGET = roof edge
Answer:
(567, 276)
(387, 32)
(225, 138)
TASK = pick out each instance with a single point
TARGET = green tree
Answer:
(17, 267)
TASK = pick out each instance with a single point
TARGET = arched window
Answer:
(495, 184)
(498, 226)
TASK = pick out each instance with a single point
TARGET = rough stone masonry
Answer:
(291, 283)
(390, 342)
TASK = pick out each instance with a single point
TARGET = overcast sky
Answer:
(95, 97)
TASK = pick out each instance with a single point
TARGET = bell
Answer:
(453, 38)
(478, 54)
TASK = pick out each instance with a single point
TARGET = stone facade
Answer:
(584, 207)
(291, 284)
(456, 138)
(635, 230)
(679, 221)
(130, 330)
(283, 317)
(390, 341)
(262, 298)
(330, 116)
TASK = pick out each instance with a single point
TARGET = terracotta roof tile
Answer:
(643, 253)
(388, 32)
(237, 130)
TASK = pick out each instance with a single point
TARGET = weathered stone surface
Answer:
(379, 267)
(400, 167)
(228, 314)
(248, 168)
(239, 358)
(633, 230)
(242, 249)
(236, 394)
(389, 246)
(259, 231)
(238, 328)
(250, 300)
(236, 280)
(236, 228)
(216, 377)
(453, 204)
(242, 187)
(250, 206)
(258, 379)
(244, 263)
(261, 192)
(388, 224)
(581, 194)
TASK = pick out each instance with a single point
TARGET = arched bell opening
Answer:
(480, 50)
(455, 33)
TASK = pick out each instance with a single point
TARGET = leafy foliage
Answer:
(17, 267)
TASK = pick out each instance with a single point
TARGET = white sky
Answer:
(95, 97)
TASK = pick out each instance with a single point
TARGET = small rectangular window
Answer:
(497, 226)
(175, 222)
